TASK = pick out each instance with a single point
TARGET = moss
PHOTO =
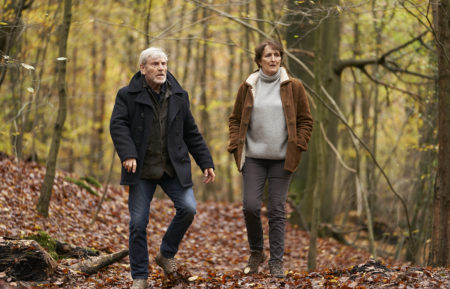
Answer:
(92, 181)
(46, 242)
(80, 183)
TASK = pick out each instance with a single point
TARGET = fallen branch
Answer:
(93, 265)
(26, 260)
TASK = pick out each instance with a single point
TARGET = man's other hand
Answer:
(209, 176)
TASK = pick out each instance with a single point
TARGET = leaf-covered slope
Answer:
(214, 249)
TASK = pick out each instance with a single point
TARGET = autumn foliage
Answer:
(212, 255)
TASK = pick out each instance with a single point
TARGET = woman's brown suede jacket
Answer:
(296, 111)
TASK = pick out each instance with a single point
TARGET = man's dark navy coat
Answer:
(130, 125)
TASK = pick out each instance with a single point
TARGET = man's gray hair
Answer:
(152, 52)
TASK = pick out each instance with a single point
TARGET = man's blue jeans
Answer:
(139, 199)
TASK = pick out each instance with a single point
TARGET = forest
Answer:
(368, 205)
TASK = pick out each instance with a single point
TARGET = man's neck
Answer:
(155, 86)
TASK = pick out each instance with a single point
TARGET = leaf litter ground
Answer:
(212, 254)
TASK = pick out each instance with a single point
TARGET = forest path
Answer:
(214, 249)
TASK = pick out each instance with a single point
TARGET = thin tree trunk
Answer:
(148, 17)
(260, 15)
(204, 116)
(229, 164)
(94, 137)
(46, 190)
(423, 187)
(11, 34)
(317, 159)
(45, 36)
(441, 205)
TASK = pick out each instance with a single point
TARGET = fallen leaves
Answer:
(213, 253)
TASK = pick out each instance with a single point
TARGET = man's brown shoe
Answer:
(167, 264)
(139, 284)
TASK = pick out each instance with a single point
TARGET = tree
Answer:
(440, 245)
(46, 190)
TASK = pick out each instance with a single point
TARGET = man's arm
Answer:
(120, 129)
(194, 140)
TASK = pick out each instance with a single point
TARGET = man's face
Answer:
(154, 71)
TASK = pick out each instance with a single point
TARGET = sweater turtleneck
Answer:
(269, 78)
(267, 132)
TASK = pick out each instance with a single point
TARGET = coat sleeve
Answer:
(304, 118)
(194, 140)
(234, 121)
(119, 128)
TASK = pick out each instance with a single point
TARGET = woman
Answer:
(270, 126)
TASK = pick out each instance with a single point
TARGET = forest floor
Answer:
(214, 250)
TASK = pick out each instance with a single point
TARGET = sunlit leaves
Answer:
(214, 251)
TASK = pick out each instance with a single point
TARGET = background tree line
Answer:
(375, 72)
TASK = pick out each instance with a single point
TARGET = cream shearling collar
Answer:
(253, 78)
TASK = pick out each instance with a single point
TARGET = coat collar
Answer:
(136, 86)
(253, 78)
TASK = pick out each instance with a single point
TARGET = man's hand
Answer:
(209, 176)
(130, 165)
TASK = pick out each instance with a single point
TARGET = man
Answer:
(153, 131)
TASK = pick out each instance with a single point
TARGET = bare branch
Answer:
(341, 161)
(415, 96)
(361, 63)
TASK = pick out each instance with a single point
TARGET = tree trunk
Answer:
(46, 190)
(423, 184)
(318, 157)
(304, 41)
(260, 17)
(441, 204)
(25, 260)
(8, 33)
(204, 115)
(148, 17)
(231, 94)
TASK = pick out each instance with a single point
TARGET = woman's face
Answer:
(270, 61)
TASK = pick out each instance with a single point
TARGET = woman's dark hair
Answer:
(260, 49)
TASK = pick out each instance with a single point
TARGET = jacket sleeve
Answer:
(119, 128)
(304, 118)
(234, 121)
(194, 140)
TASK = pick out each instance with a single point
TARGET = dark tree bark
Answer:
(231, 93)
(204, 114)
(25, 260)
(439, 255)
(93, 265)
(46, 190)
(8, 33)
(260, 15)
